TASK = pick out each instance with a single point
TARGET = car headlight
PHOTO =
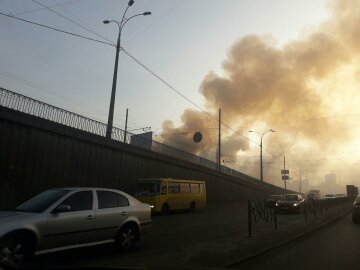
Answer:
(295, 204)
(276, 204)
(151, 206)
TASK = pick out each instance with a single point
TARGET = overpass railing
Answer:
(27, 105)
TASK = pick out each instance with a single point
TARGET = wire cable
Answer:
(58, 30)
(183, 96)
(56, 5)
(72, 21)
(142, 65)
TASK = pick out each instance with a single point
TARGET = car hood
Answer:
(287, 202)
(13, 215)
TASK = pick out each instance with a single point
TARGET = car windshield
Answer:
(148, 188)
(290, 198)
(329, 195)
(42, 201)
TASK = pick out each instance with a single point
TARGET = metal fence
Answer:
(24, 104)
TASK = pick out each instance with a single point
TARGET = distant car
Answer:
(290, 203)
(329, 197)
(275, 197)
(340, 195)
(64, 218)
(356, 210)
(313, 196)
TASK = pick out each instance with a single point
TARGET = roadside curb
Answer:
(286, 242)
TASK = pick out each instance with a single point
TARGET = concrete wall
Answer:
(36, 154)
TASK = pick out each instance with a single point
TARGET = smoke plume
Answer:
(307, 90)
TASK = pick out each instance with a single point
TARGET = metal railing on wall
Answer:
(30, 106)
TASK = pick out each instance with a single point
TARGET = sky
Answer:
(210, 51)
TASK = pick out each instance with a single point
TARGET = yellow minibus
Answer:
(167, 194)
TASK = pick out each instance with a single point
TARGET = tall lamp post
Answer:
(261, 159)
(121, 25)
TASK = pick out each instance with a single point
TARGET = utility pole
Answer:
(120, 25)
(300, 180)
(284, 170)
(126, 122)
(261, 155)
(285, 174)
(219, 142)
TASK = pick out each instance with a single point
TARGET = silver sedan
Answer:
(64, 218)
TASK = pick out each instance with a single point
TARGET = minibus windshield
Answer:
(148, 188)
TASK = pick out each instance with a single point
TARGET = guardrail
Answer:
(261, 210)
(24, 104)
(319, 207)
(266, 211)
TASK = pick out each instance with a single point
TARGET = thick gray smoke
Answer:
(303, 90)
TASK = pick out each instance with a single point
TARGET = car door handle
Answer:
(124, 213)
(90, 217)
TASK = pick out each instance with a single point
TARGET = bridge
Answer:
(43, 146)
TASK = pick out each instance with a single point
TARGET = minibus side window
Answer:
(173, 187)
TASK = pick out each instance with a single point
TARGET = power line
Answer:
(158, 19)
(182, 95)
(56, 5)
(72, 21)
(56, 29)
(305, 120)
(47, 90)
(142, 65)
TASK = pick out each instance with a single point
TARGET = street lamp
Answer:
(121, 25)
(261, 161)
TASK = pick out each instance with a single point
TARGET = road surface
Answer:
(337, 246)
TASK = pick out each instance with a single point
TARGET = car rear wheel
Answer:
(13, 251)
(127, 237)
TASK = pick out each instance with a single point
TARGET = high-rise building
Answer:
(330, 179)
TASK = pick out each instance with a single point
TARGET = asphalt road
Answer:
(168, 233)
(334, 247)
(212, 237)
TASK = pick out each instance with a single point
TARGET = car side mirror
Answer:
(62, 208)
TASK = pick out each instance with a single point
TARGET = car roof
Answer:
(88, 188)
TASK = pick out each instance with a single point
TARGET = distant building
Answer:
(330, 179)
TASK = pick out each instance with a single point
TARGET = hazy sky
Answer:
(183, 41)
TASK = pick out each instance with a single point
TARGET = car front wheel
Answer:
(13, 252)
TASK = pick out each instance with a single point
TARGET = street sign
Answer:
(284, 171)
(197, 137)
(285, 177)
